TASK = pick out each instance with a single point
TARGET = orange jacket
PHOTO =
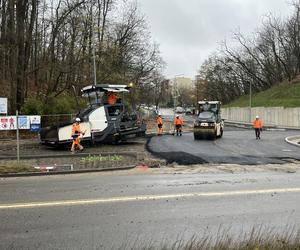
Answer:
(112, 98)
(257, 123)
(76, 129)
(159, 120)
(178, 121)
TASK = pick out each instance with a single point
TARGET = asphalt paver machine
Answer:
(102, 122)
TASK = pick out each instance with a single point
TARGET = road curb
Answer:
(79, 171)
(67, 155)
(294, 140)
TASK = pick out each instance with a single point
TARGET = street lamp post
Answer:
(93, 49)
(175, 93)
(250, 102)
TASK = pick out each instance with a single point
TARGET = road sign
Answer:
(3, 105)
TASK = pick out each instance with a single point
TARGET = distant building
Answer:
(182, 82)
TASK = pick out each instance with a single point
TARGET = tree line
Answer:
(270, 56)
(49, 46)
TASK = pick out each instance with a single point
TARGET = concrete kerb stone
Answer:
(294, 140)
(80, 171)
(68, 155)
(136, 155)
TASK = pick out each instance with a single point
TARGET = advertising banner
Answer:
(25, 122)
(35, 123)
(8, 123)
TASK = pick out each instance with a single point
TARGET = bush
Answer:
(32, 106)
(54, 105)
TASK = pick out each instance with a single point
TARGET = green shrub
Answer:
(53, 105)
(32, 106)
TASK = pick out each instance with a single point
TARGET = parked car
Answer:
(188, 111)
(179, 110)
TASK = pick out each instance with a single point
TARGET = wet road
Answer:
(111, 210)
(237, 146)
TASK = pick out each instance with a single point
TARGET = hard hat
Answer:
(177, 115)
(257, 117)
(77, 119)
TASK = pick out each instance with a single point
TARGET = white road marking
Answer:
(144, 198)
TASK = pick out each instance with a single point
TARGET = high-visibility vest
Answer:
(178, 121)
(76, 129)
(257, 123)
(112, 98)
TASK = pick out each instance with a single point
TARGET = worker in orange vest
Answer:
(159, 122)
(76, 131)
(257, 125)
(112, 98)
(178, 122)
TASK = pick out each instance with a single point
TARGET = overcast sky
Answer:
(188, 31)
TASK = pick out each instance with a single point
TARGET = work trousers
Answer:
(159, 129)
(178, 129)
(257, 133)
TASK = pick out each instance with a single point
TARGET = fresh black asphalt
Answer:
(237, 146)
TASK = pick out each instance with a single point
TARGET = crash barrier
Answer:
(272, 116)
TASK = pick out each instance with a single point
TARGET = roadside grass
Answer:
(15, 167)
(285, 94)
(100, 158)
(257, 239)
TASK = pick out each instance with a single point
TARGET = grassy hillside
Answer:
(285, 94)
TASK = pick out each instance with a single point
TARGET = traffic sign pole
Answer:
(18, 136)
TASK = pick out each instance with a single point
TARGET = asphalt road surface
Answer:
(121, 209)
(237, 146)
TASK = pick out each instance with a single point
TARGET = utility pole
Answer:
(93, 51)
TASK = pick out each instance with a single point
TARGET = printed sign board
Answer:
(35, 123)
(25, 122)
(35, 127)
(35, 119)
(3, 105)
(8, 123)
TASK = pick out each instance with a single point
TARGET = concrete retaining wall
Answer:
(273, 116)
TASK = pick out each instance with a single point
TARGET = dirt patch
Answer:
(226, 168)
